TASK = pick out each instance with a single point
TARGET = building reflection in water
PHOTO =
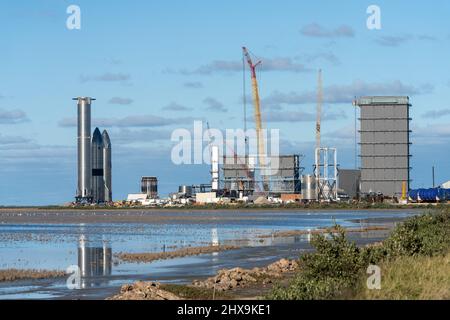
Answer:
(214, 237)
(214, 242)
(94, 261)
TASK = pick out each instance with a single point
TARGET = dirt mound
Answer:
(228, 279)
(143, 290)
(282, 266)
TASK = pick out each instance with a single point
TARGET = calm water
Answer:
(57, 246)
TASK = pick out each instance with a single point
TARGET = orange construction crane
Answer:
(258, 123)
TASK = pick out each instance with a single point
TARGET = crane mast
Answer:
(258, 122)
(318, 127)
(319, 107)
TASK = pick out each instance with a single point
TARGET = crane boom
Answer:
(258, 122)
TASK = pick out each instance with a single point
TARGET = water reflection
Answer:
(94, 261)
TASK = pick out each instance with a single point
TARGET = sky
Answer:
(157, 66)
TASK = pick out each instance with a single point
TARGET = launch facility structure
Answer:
(94, 158)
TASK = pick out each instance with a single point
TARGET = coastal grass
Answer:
(412, 278)
(29, 274)
(337, 268)
(195, 293)
(146, 257)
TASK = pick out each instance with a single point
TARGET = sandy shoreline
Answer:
(27, 216)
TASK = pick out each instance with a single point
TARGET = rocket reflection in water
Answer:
(94, 261)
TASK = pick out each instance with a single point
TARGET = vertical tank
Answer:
(309, 188)
(98, 190)
(214, 168)
(149, 186)
(84, 192)
(185, 190)
(107, 167)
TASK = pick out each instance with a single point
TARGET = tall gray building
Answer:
(385, 144)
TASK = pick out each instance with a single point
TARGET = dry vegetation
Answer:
(416, 278)
(17, 274)
(183, 252)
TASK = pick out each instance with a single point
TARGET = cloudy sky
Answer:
(155, 66)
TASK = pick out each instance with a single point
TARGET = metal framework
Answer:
(242, 174)
(326, 174)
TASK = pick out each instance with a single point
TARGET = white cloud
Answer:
(317, 31)
(12, 116)
(120, 100)
(346, 93)
(214, 105)
(106, 77)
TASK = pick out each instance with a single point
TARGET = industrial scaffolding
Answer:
(243, 175)
(326, 174)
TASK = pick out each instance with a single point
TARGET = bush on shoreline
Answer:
(336, 269)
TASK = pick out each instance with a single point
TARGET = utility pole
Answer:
(432, 175)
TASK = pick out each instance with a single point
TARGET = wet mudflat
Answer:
(57, 240)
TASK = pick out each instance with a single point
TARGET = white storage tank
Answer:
(309, 188)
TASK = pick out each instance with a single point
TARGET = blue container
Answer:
(429, 195)
(412, 194)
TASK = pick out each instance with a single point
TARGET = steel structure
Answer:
(239, 174)
(258, 123)
(107, 167)
(385, 145)
(309, 191)
(282, 174)
(326, 174)
(214, 168)
(319, 108)
(98, 186)
(149, 186)
(94, 158)
(84, 188)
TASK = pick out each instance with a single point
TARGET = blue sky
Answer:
(155, 66)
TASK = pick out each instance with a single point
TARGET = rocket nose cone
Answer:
(97, 137)
(106, 140)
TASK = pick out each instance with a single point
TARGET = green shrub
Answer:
(427, 234)
(331, 270)
(335, 269)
